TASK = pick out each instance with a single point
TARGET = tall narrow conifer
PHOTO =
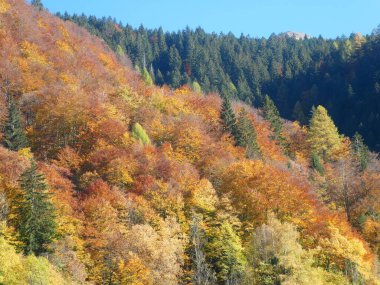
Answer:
(360, 151)
(247, 135)
(228, 118)
(14, 136)
(35, 214)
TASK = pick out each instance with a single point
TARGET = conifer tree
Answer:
(35, 214)
(298, 113)
(175, 67)
(323, 135)
(159, 78)
(360, 151)
(38, 4)
(272, 115)
(14, 136)
(247, 135)
(228, 118)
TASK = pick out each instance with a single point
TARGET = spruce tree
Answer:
(247, 135)
(175, 63)
(298, 113)
(360, 151)
(38, 4)
(159, 78)
(272, 115)
(14, 136)
(228, 118)
(35, 214)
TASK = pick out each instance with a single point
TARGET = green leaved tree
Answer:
(202, 273)
(316, 163)
(35, 214)
(226, 253)
(147, 77)
(196, 87)
(277, 257)
(140, 134)
(14, 136)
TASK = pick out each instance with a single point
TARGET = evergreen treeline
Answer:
(341, 74)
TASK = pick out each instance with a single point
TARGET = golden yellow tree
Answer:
(323, 135)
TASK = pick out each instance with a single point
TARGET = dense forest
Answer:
(106, 178)
(341, 74)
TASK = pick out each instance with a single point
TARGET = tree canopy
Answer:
(340, 74)
(134, 183)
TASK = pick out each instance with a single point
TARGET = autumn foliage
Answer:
(149, 188)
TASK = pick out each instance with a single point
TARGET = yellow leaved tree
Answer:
(323, 135)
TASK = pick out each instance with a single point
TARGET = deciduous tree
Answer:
(323, 135)
(140, 134)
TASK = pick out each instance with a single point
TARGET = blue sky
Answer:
(258, 18)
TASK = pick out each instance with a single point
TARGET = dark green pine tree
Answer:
(360, 151)
(35, 214)
(159, 78)
(228, 118)
(272, 115)
(247, 135)
(14, 136)
(175, 67)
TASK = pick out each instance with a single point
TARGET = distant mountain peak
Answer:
(295, 35)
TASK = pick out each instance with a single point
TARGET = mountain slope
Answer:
(150, 187)
(295, 74)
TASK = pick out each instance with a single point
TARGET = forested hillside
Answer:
(340, 74)
(106, 178)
